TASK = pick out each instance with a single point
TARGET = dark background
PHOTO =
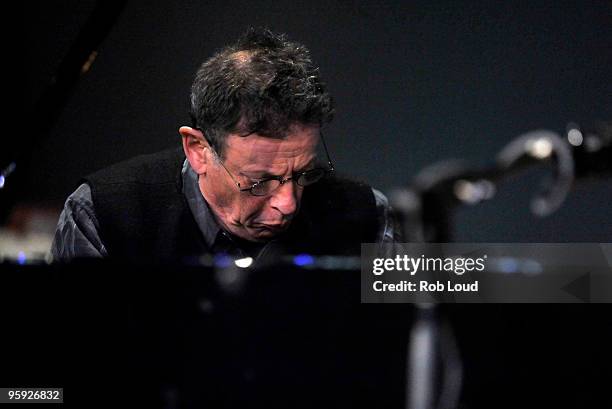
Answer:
(414, 83)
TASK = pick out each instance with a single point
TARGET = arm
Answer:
(77, 234)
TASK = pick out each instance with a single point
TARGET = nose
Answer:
(285, 198)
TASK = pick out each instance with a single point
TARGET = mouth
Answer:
(271, 227)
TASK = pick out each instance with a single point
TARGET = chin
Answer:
(262, 233)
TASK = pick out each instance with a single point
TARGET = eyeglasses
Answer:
(267, 186)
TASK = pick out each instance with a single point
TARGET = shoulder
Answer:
(157, 167)
(80, 200)
(76, 233)
(131, 193)
(381, 200)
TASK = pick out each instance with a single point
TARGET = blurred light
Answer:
(512, 265)
(244, 262)
(539, 148)
(6, 172)
(574, 136)
(532, 267)
(508, 265)
(223, 260)
(474, 192)
(89, 62)
(303, 260)
(21, 258)
(465, 191)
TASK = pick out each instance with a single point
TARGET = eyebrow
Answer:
(266, 175)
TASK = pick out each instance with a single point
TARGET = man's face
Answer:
(250, 159)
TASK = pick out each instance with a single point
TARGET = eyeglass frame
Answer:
(295, 176)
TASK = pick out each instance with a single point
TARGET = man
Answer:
(246, 181)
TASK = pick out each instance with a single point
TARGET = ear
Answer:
(196, 149)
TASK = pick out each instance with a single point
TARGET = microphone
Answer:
(424, 207)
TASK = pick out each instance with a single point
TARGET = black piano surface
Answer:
(191, 337)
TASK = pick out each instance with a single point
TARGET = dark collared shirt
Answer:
(77, 230)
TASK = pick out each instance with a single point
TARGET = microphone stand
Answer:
(425, 209)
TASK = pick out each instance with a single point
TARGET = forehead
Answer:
(298, 146)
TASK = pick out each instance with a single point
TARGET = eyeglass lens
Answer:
(304, 179)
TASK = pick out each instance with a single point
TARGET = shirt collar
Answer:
(199, 208)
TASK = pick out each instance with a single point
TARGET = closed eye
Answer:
(263, 177)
